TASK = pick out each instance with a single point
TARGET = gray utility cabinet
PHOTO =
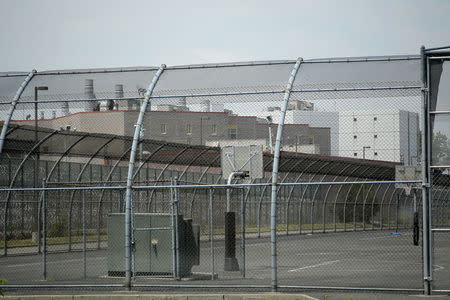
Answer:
(153, 249)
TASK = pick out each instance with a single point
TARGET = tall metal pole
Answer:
(426, 180)
(174, 224)
(36, 161)
(243, 211)
(211, 233)
(177, 227)
(44, 231)
(276, 163)
(129, 190)
(83, 219)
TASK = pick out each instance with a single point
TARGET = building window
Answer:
(188, 129)
(355, 154)
(354, 136)
(163, 128)
(375, 136)
(214, 129)
(232, 133)
(375, 118)
(354, 119)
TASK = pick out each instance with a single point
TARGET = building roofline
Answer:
(124, 111)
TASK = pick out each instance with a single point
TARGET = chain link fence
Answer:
(264, 175)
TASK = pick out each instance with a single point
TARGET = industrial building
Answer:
(176, 123)
(388, 135)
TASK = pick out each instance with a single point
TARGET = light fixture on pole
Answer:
(270, 120)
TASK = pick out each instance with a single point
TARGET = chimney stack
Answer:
(118, 93)
(89, 94)
(181, 102)
(65, 108)
(206, 106)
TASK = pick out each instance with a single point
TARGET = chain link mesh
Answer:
(341, 219)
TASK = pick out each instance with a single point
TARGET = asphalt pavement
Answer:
(370, 259)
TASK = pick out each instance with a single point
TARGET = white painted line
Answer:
(437, 267)
(314, 266)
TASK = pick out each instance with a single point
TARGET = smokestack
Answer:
(118, 91)
(65, 108)
(206, 106)
(106, 105)
(181, 102)
(89, 94)
(217, 107)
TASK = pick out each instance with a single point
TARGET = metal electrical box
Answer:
(153, 247)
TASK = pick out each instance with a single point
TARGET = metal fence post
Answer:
(276, 163)
(397, 207)
(44, 231)
(177, 226)
(129, 190)
(174, 237)
(83, 219)
(211, 233)
(243, 208)
(426, 177)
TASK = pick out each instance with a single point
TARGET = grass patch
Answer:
(53, 240)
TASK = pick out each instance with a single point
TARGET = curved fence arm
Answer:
(129, 191)
(13, 107)
(276, 162)
(8, 195)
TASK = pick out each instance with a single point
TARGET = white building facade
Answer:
(388, 135)
(310, 118)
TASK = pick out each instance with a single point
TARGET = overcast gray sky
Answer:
(56, 34)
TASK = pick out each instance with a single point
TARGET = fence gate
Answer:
(437, 62)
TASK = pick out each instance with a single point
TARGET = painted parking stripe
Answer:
(314, 266)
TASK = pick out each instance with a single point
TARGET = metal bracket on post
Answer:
(276, 163)
(129, 189)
